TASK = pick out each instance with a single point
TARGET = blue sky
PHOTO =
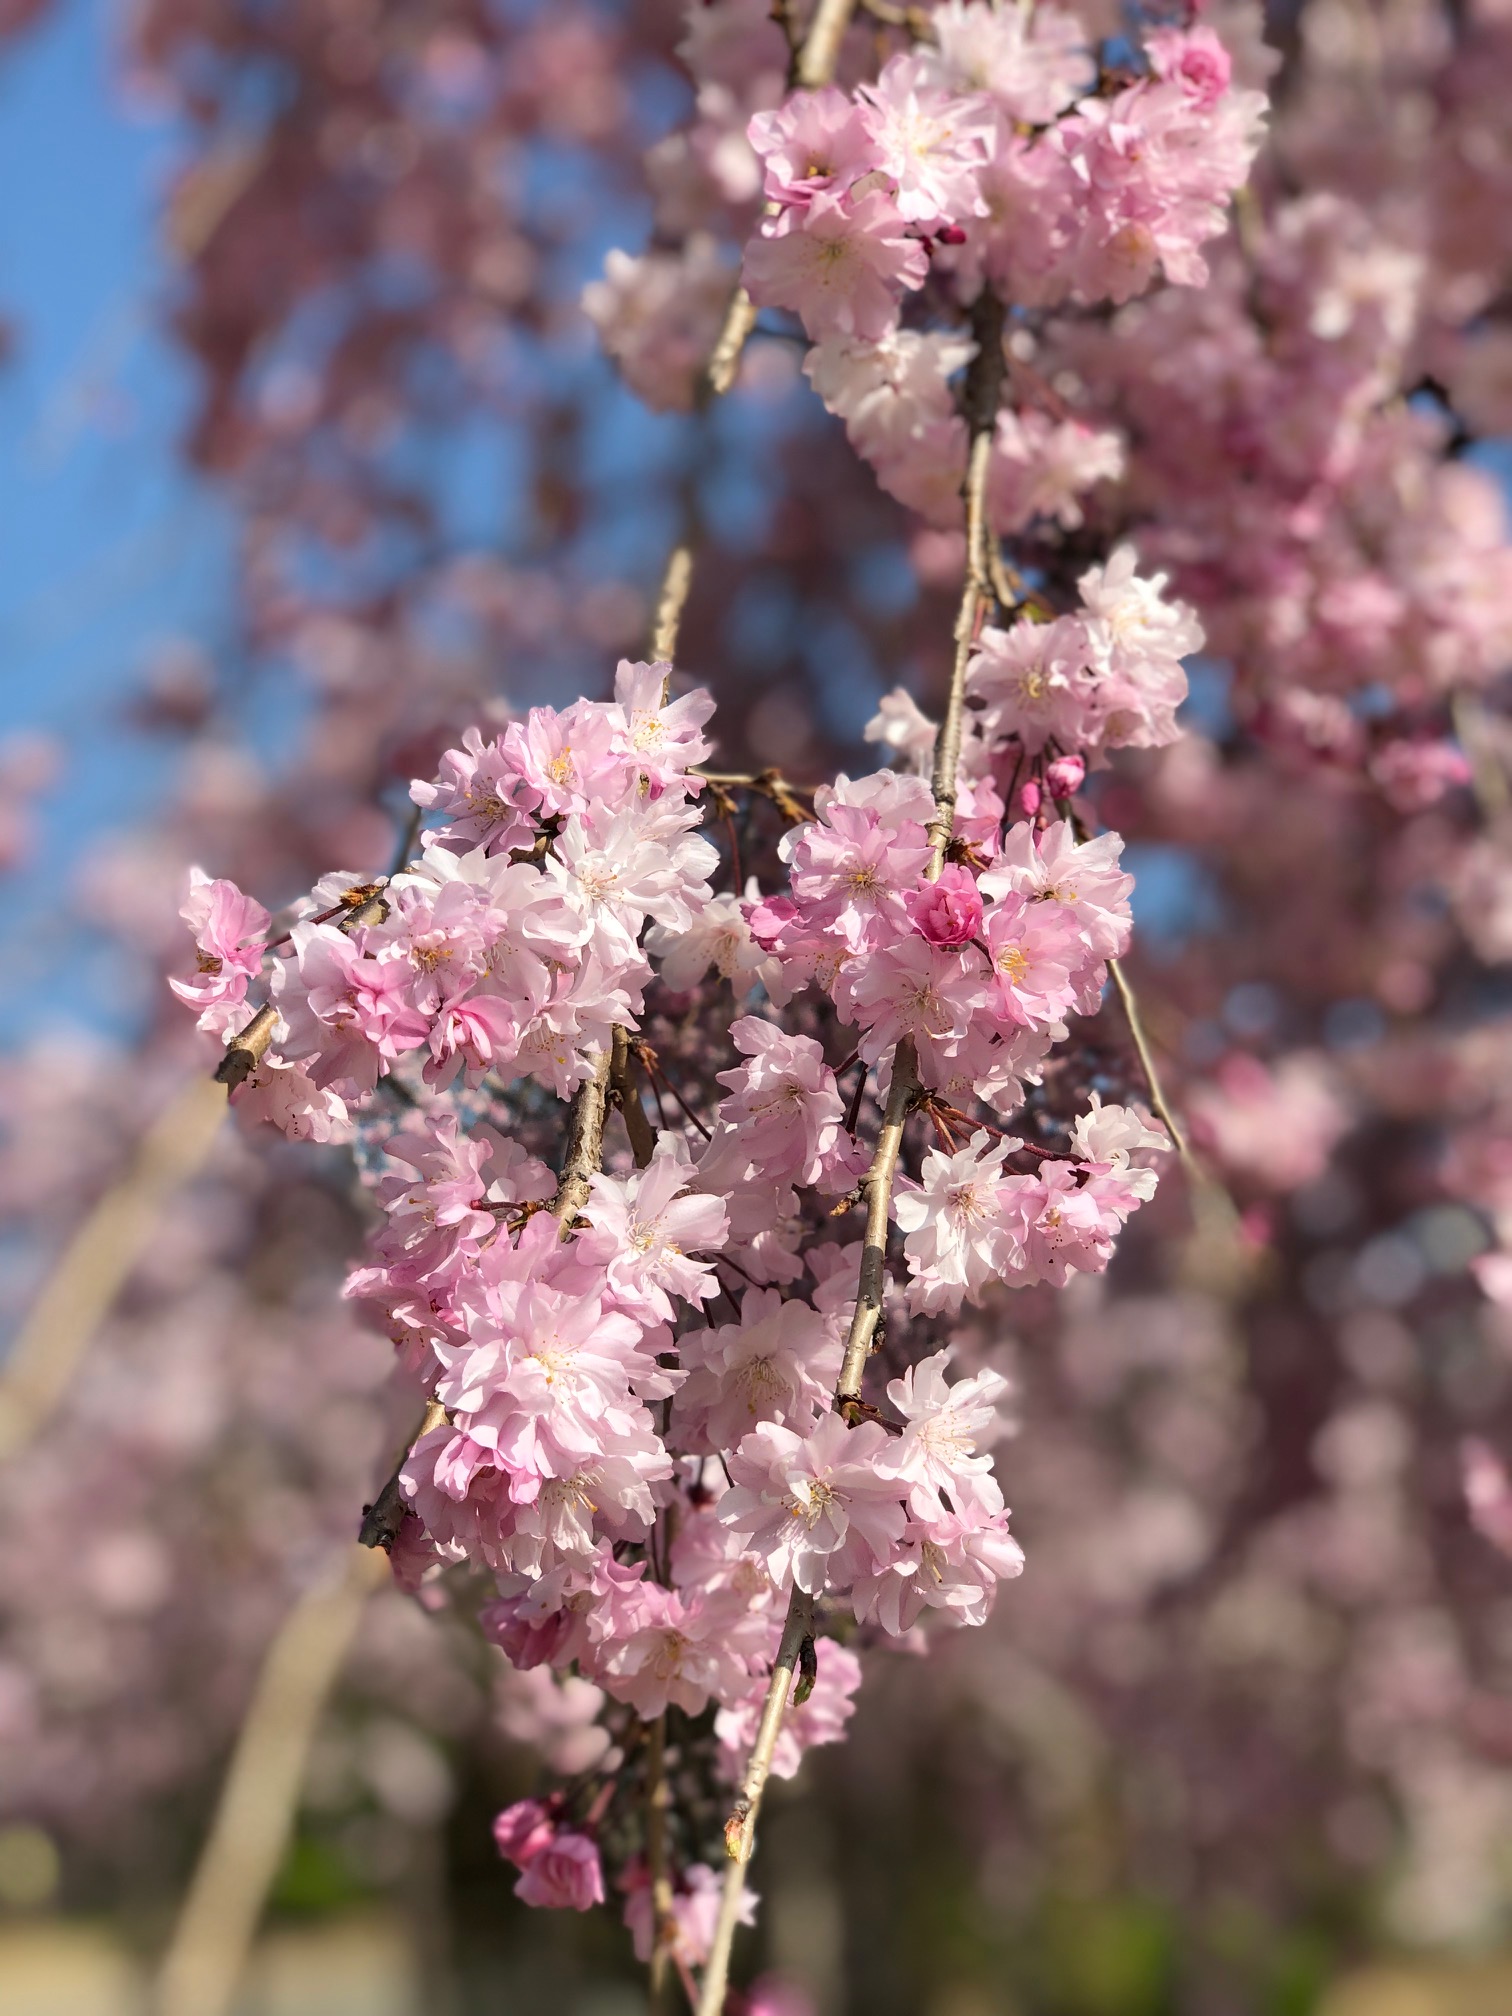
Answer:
(108, 548)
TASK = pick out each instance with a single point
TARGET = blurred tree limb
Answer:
(255, 1817)
(94, 1266)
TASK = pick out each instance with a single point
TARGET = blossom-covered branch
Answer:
(645, 1377)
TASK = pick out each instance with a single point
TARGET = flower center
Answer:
(812, 1509)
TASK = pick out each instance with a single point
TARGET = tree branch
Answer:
(671, 599)
(382, 1519)
(585, 1142)
(624, 1092)
(657, 1800)
(740, 1828)
(983, 389)
(94, 1265)
(821, 46)
(813, 65)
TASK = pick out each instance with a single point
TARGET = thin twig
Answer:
(659, 1076)
(770, 784)
(662, 1923)
(1488, 774)
(671, 599)
(406, 843)
(1159, 1104)
(740, 1828)
(812, 66)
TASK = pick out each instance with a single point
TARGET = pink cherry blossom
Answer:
(947, 911)
(565, 1875)
(230, 931)
(958, 1238)
(841, 264)
(521, 1831)
(814, 1507)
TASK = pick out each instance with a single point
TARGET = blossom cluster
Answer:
(632, 1428)
(993, 153)
(511, 944)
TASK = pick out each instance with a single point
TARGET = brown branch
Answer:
(1217, 1254)
(914, 21)
(1488, 775)
(767, 784)
(362, 904)
(821, 46)
(984, 385)
(671, 599)
(382, 1519)
(624, 1092)
(877, 1187)
(983, 390)
(740, 1828)
(247, 1048)
(1159, 1104)
(585, 1142)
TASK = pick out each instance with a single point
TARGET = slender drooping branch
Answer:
(984, 386)
(813, 66)
(677, 579)
(658, 1869)
(983, 390)
(1488, 774)
(382, 1519)
(1160, 1106)
(877, 1187)
(816, 59)
(740, 1828)
(364, 904)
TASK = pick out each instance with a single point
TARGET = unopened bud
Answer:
(950, 234)
(1029, 799)
(1065, 776)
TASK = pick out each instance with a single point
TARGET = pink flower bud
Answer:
(564, 1876)
(1065, 776)
(523, 1830)
(1029, 799)
(1196, 59)
(769, 919)
(947, 912)
(951, 234)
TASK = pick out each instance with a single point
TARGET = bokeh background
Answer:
(311, 460)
